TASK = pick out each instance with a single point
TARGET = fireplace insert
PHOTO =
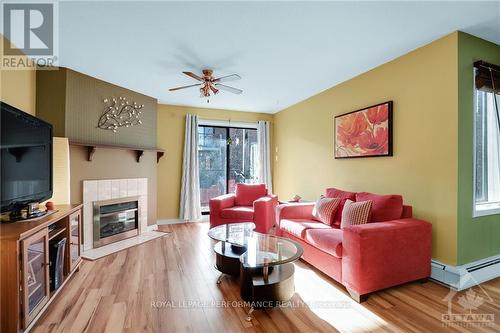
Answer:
(115, 219)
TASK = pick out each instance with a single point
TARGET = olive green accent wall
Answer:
(73, 103)
(479, 237)
(51, 99)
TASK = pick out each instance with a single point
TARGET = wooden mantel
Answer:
(92, 147)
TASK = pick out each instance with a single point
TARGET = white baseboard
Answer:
(169, 221)
(204, 218)
(468, 275)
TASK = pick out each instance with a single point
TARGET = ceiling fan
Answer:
(209, 84)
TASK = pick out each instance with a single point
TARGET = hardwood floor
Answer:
(168, 285)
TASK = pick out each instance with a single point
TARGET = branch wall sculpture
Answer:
(119, 113)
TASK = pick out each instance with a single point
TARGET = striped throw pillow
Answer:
(325, 208)
(355, 213)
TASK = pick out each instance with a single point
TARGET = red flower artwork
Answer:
(374, 143)
(365, 132)
(378, 114)
(351, 129)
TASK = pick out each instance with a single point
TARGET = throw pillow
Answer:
(355, 213)
(384, 207)
(333, 192)
(325, 208)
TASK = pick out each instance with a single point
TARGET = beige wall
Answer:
(423, 85)
(18, 87)
(171, 122)
(113, 164)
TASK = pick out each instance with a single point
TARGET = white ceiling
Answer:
(284, 51)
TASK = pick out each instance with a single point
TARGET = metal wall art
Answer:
(119, 113)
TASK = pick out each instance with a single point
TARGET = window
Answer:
(487, 153)
(227, 155)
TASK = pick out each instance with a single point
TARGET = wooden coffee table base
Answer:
(279, 286)
(259, 289)
(227, 258)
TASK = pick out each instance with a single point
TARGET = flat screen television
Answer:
(26, 161)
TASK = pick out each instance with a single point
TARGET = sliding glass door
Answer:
(227, 155)
(212, 156)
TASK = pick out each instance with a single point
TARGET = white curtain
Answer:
(190, 209)
(493, 147)
(264, 144)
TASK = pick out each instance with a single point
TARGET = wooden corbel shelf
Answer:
(139, 152)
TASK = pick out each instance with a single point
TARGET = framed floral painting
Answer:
(364, 133)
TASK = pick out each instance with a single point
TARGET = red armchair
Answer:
(249, 203)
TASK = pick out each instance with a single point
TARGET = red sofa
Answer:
(393, 248)
(249, 203)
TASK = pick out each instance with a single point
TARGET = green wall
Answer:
(479, 237)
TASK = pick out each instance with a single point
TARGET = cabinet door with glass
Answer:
(35, 274)
(74, 227)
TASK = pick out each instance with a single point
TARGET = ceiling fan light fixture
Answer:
(214, 90)
(209, 83)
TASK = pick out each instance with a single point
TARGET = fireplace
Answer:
(103, 192)
(115, 220)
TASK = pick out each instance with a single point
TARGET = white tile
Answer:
(115, 188)
(142, 186)
(143, 201)
(87, 213)
(89, 190)
(87, 235)
(88, 218)
(123, 188)
(143, 223)
(131, 187)
(104, 190)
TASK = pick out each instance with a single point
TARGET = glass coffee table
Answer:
(263, 262)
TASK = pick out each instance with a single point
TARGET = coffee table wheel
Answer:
(249, 314)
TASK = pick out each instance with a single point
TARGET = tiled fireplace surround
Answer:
(105, 189)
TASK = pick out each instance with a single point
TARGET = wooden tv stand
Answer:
(24, 264)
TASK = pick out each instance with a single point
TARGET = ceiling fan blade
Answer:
(227, 78)
(228, 88)
(184, 87)
(194, 76)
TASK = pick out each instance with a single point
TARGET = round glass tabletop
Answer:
(233, 233)
(269, 250)
(259, 249)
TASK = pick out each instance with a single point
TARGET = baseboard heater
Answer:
(483, 265)
(465, 276)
